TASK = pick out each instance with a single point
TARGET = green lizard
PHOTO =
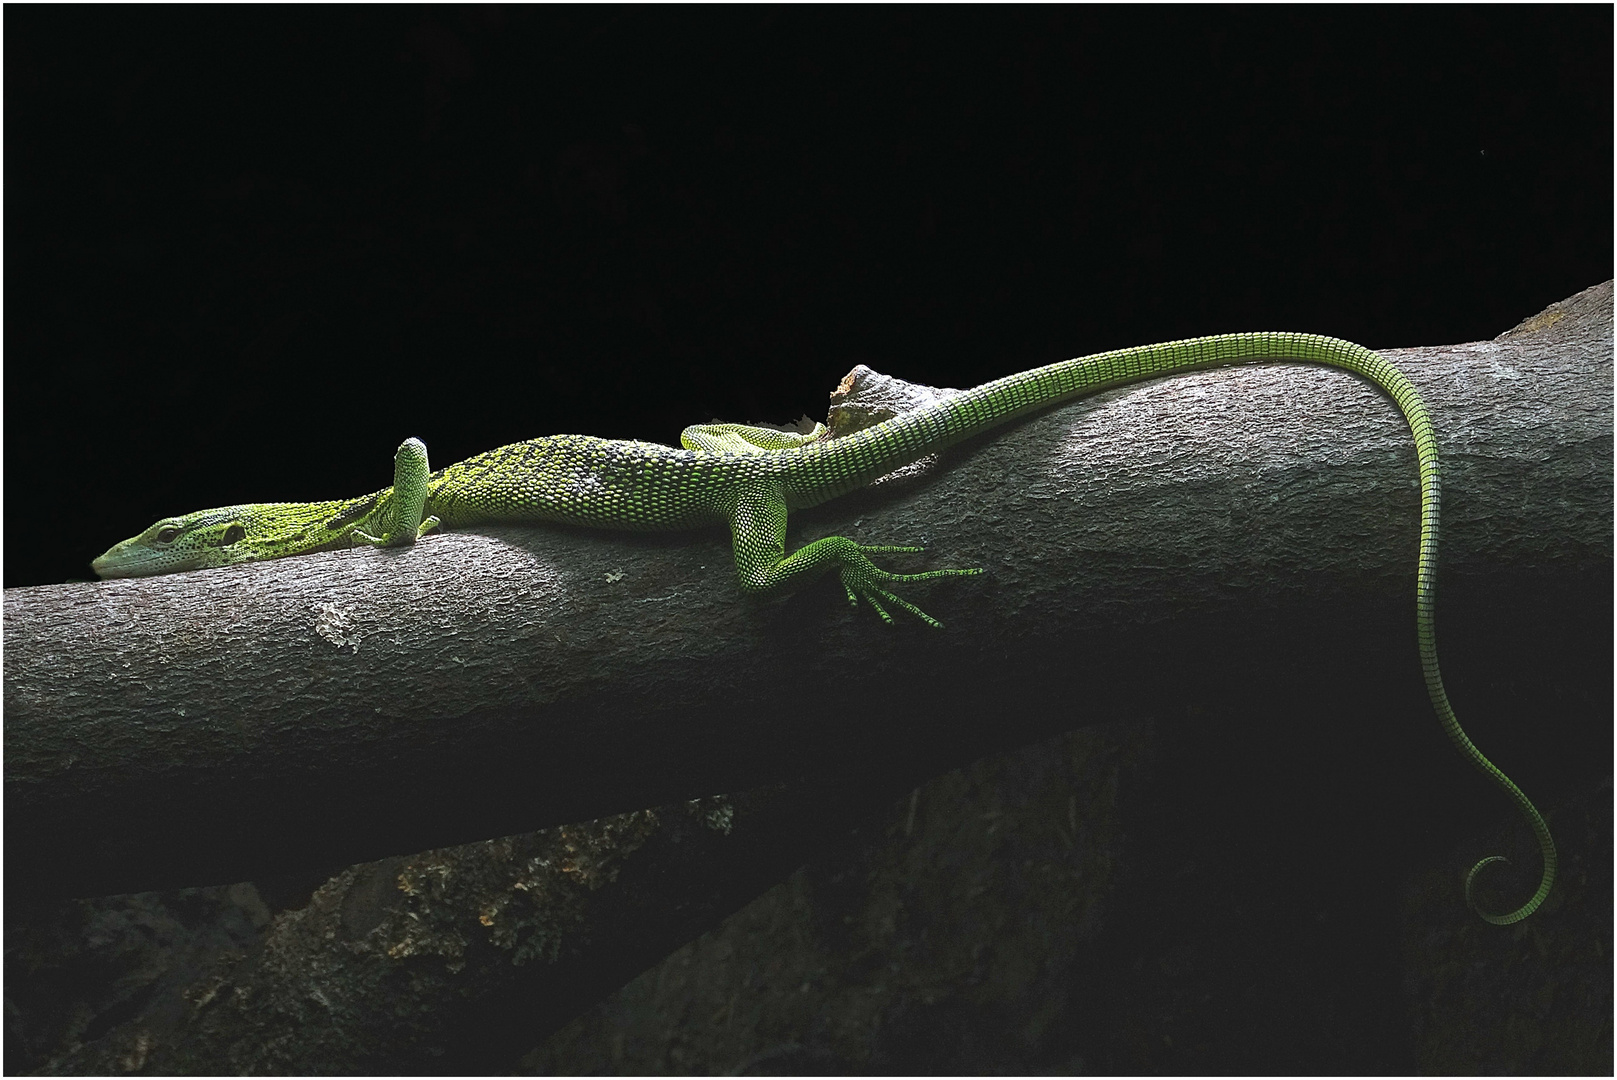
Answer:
(749, 478)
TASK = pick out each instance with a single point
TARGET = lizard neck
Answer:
(276, 530)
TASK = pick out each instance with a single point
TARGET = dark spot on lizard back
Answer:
(354, 513)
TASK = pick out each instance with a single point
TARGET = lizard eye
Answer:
(233, 534)
(166, 535)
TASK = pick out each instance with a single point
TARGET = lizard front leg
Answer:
(400, 518)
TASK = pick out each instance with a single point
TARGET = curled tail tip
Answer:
(1520, 913)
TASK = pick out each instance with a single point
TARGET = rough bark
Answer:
(457, 960)
(318, 711)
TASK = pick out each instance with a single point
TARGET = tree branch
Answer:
(457, 960)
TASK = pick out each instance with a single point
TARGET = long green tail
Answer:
(864, 455)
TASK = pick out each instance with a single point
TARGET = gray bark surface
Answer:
(323, 710)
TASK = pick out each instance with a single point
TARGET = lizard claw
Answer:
(861, 577)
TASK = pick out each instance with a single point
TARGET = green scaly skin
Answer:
(749, 478)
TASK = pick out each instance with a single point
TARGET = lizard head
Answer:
(239, 534)
(205, 538)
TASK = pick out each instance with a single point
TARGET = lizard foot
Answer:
(862, 578)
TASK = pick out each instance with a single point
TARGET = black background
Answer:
(249, 251)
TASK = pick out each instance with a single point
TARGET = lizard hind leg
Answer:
(745, 438)
(758, 533)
